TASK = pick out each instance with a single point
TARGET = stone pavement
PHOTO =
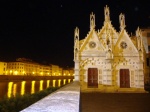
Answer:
(114, 102)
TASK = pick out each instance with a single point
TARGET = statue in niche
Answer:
(122, 21)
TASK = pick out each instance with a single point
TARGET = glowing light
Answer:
(69, 80)
(9, 93)
(16, 72)
(41, 85)
(41, 73)
(33, 72)
(48, 81)
(10, 71)
(33, 87)
(54, 81)
(23, 87)
(59, 83)
(64, 81)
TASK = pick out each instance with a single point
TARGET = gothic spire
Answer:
(122, 21)
(107, 14)
(92, 21)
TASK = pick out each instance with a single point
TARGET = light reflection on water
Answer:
(32, 87)
(10, 84)
(41, 85)
(22, 87)
(48, 83)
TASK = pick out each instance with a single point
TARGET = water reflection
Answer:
(32, 87)
(10, 84)
(54, 83)
(22, 87)
(64, 81)
(59, 83)
(41, 85)
(48, 83)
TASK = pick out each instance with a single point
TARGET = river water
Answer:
(11, 88)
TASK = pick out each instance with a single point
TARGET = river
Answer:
(11, 88)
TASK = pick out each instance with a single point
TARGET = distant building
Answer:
(3, 68)
(27, 67)
(109, 60)
(68, 72)
(146, 37)
(24, 66)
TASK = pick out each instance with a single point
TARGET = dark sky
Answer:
(44, 30)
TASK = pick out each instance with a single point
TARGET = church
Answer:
(107, 60)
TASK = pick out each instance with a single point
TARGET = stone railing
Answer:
(66, 99)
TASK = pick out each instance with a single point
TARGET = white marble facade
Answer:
(117, 59)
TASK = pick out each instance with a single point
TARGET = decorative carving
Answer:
(92, 44)
(92, 21)
(106, 11)
(123, 45)
(122, 21)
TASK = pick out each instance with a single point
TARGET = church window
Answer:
(123, 45)
(92, 44)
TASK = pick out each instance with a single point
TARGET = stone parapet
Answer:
(66, 99)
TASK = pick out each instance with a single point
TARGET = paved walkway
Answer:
(115, 102)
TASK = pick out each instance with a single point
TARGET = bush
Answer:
(19, 102)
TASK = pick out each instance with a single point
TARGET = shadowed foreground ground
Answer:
(115, 102)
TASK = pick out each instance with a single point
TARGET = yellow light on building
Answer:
(33, 72)
(10, 71)
(15, 72)
(6, 72)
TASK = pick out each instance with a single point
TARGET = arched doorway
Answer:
(93, 77)
(124, 78)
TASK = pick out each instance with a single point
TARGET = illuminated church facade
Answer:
(107, 60)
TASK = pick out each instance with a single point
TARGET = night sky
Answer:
(44, 30)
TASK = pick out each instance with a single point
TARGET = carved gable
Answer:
(91, 43)
(124, 44)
